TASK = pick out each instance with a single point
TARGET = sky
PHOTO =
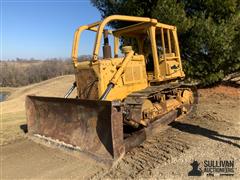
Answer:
(42, 29)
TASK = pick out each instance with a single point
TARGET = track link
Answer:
(154, 152)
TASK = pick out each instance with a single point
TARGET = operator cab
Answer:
(157, 42)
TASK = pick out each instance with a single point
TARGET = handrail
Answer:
(112, 18)
(99, 26)
(76, 40)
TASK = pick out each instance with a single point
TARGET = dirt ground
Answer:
(12, 114)
(212, 132)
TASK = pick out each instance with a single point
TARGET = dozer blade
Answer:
(92, 127)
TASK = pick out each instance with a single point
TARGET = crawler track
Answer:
(211, 133)
(152, 153)
(155, 151)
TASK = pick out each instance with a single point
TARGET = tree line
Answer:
(23, 72)
(208, 30)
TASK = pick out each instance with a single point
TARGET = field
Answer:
(24, 72)
(13, 110)
(212, 132)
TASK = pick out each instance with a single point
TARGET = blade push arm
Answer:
(117, 75)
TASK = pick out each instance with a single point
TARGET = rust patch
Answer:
(93, 126)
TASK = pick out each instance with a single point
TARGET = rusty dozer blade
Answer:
(93, 127)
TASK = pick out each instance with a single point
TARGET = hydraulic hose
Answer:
(70, 90)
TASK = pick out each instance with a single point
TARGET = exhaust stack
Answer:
(106, 46)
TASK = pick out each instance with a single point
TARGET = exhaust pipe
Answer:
(106, 46)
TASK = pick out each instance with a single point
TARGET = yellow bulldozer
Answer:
(123, 96)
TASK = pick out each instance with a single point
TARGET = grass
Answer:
(7, 89)
(13, 109)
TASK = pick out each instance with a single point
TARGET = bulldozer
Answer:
(124, 93)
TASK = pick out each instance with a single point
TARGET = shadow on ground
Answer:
(24, 128)
(189, 128)
(194, 129)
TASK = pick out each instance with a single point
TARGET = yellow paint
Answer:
(129, 74)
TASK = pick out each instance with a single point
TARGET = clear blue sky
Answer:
(44, 29)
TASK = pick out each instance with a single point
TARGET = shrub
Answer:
(209, 31)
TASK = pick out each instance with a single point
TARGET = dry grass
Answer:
(22, 73)
(7, 89)
(226, 90)
(13, 109)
